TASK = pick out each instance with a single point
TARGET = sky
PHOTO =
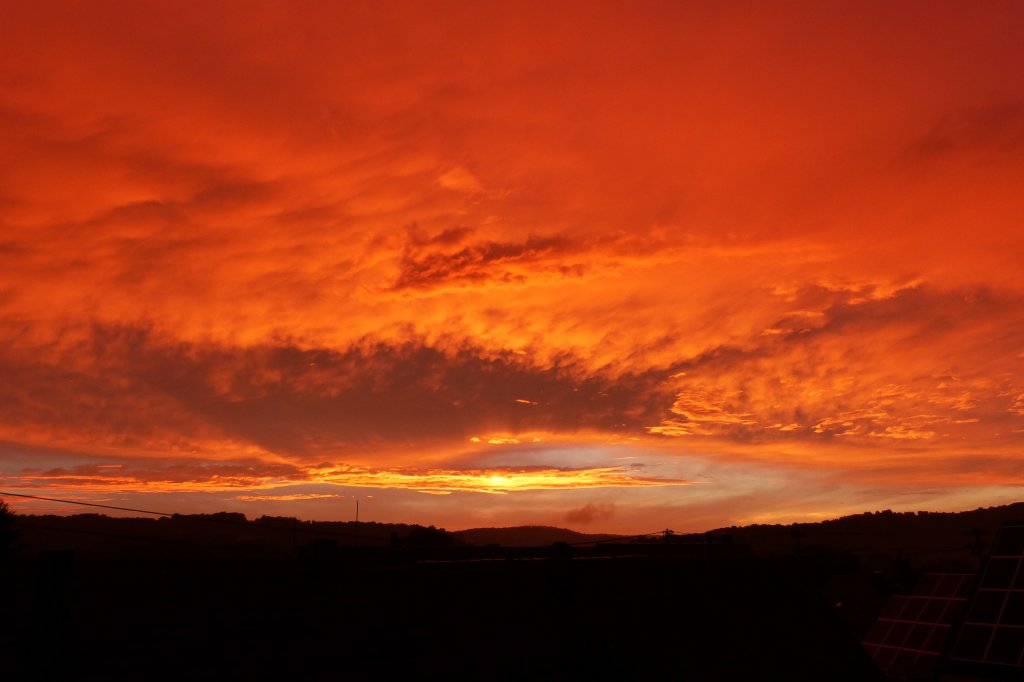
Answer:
(610, 266)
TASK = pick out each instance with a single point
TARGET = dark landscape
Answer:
(219, 597)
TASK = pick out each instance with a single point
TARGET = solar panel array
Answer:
(912, 630)
(993, 631)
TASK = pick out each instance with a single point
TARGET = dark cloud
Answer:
(428, 265)
(131, 385)
(998, 128)
(464, 257)
(234, 473)
(916, 312)
(589, 513)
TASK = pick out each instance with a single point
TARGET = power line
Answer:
(248, 524)
(295, 527)
(87, 504)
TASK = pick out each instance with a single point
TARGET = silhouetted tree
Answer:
(428, 536)
(6, 530)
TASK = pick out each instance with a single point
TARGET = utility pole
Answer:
(356, 541)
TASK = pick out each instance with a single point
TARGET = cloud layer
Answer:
(453, 248)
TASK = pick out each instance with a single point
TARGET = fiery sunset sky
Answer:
(611, 266)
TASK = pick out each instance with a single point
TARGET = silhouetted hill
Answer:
(526, 536)
(287, 599)
(223, 534)
(940, 540)
(937, 539)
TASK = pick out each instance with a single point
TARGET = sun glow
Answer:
(500, 482)
(440, 481)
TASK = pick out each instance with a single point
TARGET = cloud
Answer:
(285, 498)
(996, 128)
(462, 257)
(136, 388)
(481, 262)
(287, 236)
(255, 475)
(590, 513)
(859, 369)
(460, 180)
(129, 474)
(862, 368)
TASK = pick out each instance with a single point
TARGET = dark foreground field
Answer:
(379, 614)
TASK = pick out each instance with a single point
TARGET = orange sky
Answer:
(601, 265)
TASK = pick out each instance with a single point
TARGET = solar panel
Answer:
(993, 632)
(912, 630)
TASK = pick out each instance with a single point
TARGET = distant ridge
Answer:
(526, 536)
(922, 533)
(953, 538)
(880, 531)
